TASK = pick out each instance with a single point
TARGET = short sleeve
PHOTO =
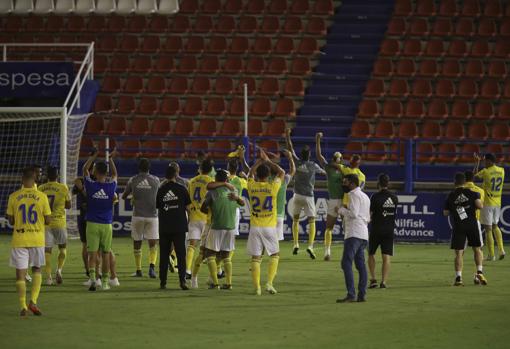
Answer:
(129, 187)
(345, 170)
(10, 206)
(481, 173)
(67, 193)
(46, 206)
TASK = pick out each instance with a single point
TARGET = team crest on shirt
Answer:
(144, 185)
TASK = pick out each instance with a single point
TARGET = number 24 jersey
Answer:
(263, 196)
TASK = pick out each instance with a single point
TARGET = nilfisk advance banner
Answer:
(35, 79)
(419, 218)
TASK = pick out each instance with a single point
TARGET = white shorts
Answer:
(55, 236)
(261, 238)
(332, 205)
(280, 227)
(25, 257)
(220, 240)
(238, 220)
(490, 215)
(301, 202)
(205, 234)
(195, 229)
(144, 228)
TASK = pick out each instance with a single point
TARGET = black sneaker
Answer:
(295, 250)
(213, 287)
(311, 253)
(226, 287)
(361, 299)
(138, 274)
(373, 283)
(458, 281)
(221, 275)
(346, 300)
(188, 276)
(502, 256)
(162, 286)
(383, 285)
(92, 286)
(152, 271)
(184, 287)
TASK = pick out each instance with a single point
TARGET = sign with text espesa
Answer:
(419, 218)
(35, 79)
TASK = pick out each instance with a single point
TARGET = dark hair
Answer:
(144, 165)
(490, 157)
(221, 175)
(52, 173)
(356, 158)
(29, 173)
(101, 168)
(233, 165)
(460, 178)
(170, 172)
(383, 180)
(470, 176)
(352, 178)
(206, 166)
(263, 171)
(305, 153)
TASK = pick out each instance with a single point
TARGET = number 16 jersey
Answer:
(263, 202)
(28, 206)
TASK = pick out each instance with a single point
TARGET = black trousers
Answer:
(165, 243)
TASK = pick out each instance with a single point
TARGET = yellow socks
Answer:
(311, 235)
(328, 237)
(255, 273)
(295, 232)
(198, 262)
(272, 269)
(213, 269)
(153, 255)
(499, 240)
(21, 287)
(138, 258)
(190, 253)
(47, 266)
(227, 265)
(61, 258)
(489, 241)
(36, 287)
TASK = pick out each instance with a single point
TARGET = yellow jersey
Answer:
(57, 194)
(28, 206)
(361, 176)
(263, 196)
(471, 186)
(493, 178)
(197, 191)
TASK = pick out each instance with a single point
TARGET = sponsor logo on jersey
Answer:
(100, 195)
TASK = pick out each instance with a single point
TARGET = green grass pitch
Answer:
(420, 309)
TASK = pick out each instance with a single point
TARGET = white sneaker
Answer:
(49, 282)
(194, 282)
(271, 289)
(98, 283)
(87, 283)
(114, 282)
(28, 278)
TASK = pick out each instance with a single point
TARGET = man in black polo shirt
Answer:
(383, 206)
(461, 206)
(173, 203)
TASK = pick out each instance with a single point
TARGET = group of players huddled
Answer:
(196, 221)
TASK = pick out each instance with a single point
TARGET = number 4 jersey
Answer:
(493, 179)
(263, 196)
(28, 206)
(197, 191)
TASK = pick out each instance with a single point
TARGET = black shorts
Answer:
(473, 236)
(82, 229)
(385, 240)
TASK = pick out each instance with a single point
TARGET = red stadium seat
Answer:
(500, 132)
(398, 88)
(467, 151)
(448, 8)
(106, 44)
(493, 9)
(126, 105)
(428, 68)
(460, 110)
(232, 65)
(152, 148)
(396, 27)
(376, 151)
(240, 45)
(418, 27)
(299, 7)
(506, 89)
(103, 103)
(457, 48)
(300, 66)
(415, 109)
(174, 149)
(209, 65)
(151, 44)
(164, 64)
(148, 105)
(247, 24)
(284, 46)
(374, 88)
(389, 47)
(408, 129)
(412, 47)
(392, 109)
(478, 131)
(119, 64)
(275, 128)
(444, 88)
(254, 65)
(454, 130)
(225, 25)
(474, 69)
(236, 107)
(201, 85)
(480, 48)
(403, 8)
(323, 7)
(111, 84)
(490, 89)
(183, 127)
(383, 67)
(75, 24)
(431, 130)
(100, 64)
(211, 6)
(470, 8)
(129, 43)
(178, 85)
(156, 85)
(173, 44)
(397, 152)
(437, 109)
(294, 26)
(188, 64)
(116, 126)
(316, 26)
(197, 144)
(497, 69)
(206, 127)
(425, 153)
(170, 106)
(293, 87)
(134, 84)
(261, 45)
(421, 88)
(352, 148)
(467, 89)
(434, 48)
(260, 107)
(502, 48)
(141, 64)
(483, 111)
(284, 108)
(277, 7)
(233, 6)
(217, 44)
(269, 25)
(405, 68)
(139, 126)
(220, 149)
(195, 44)
(53, 24)
(504, 111)
(130, 148)
(464, 27)
(86, 147)
(504, 29)
(442, 27)
(250, 82)
(497, 150)
(230, 127)
(486, 27)
(193, 107)
(215, 106)
(450, 68)
(269, 87)
(160, 127)
(158, 24)
(224, 86)
(384, 129)
(203, 24)
(307, 46)
(447, 153)
(255, 127)
(276, 66)
(180, 24)
(360, 129)
(95, 125)
(270, 146)
(368, 109)
(425, 8)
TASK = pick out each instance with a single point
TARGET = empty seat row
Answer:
(445, 88)
(258, 7)
(180, 24)
(424, 152)
(452, 130)
(84, 7)
(451, 67)
(195, 106)
(466, 27)
(207, 65)
(268, 86)
(141, 126)
(450, 8)
(440, 47)
(435, 109)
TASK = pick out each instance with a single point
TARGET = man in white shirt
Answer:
(356, 217)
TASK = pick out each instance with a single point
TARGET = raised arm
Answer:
(292, 164)
(242, 159)
(113, 168)
(253, 169)
(214, 185)
(476, 169)
(289, 144)
(90, 161)
(280, 173)
(318, 150)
